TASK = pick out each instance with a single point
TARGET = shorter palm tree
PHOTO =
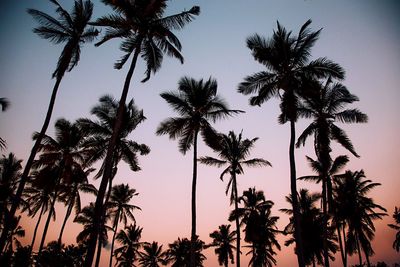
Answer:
(16, 231)
(178, 253)
(396, 226)
(152, 255)
(129, 238)
(222, 241)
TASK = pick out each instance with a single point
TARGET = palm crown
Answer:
(70, 28)
(144, 29)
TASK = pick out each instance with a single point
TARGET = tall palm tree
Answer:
(120, 209)
(128, 253)
(287, 75)
(234, 152)
(145, 32)
(198, 104)
(326, 107)
(222, 240)
(358, 211)
(64, 153)
(312, 230)
(152, 255)
(396, 226)
(72, 29)
(179, 253)
(70, 194)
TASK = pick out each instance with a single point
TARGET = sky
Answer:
(363, 36)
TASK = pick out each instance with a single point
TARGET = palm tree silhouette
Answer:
(358, 212)
(233, 151)
(312, 220)
(120, 209)
(70, 194)
(179, 253)
(152, 255)
(73, 30)
(396, 226)
(287, 75)
(197, 103)
(128, 253)
(222, 240)
(4, 103)
(145, 32)
(16, 231)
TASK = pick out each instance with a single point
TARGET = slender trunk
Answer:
(341, 245)
(36, 228)
(46, 227)
(313, 262)
(99, 248)
(69, 211)
(325, 222)
(226, 263)
(113, 239)
(108, 164)
(367, 258)
(293, 188)
(193, 233)
(236, 221)
(344, 243)
(359, 250)
(28, 166)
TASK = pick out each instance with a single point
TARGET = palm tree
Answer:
(16, 231)
(179, 253)
(4, 103)
(312, 220)
(70, 194)
(326, 107)
(358, 212)
(64, 153)
(197, 103)
(120, 208)
(233, 151)
(152, 255)
(396, 226)
(287, 75)
(145, 32)
(222, 241)
(73, 30)
(128, 253)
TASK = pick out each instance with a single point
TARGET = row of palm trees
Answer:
(306, 88)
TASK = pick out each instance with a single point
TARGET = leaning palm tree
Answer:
(73, 30)
(396, 226)
(129, 238)
(358, 211)
(120, 209)
(287, 75)
(198, 104)
(234, 151)
(327, 107)
(222, 241)
(145, 32)
(152, 255)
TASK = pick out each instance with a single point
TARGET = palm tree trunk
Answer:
(36, 228)
(108, 163)
(69, 210)
(194, 181)
(46, 227)
(325, 222)
(341, 246)
(359, 250)
(293, 188)
(99, 248)
(28, 166)
(237, 222)
(344, 243)
(113, 239)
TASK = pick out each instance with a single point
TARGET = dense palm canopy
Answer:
(178, 253)
(358, 211)
(73, 30)
(128, 252)
(396, 226)
(152, 255)
(222, 240)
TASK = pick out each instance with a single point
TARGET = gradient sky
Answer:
(363, 36)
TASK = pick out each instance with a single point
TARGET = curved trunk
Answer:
(194, 181)
(108, 164)
(295, 204)
(113, 239)
(46, 227)
(28, 166)
(236, 222)
(36, 228)
(69, 211)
